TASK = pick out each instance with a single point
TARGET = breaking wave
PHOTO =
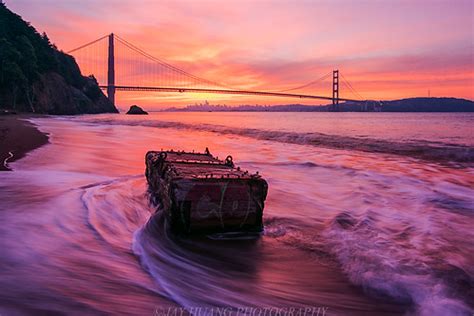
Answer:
(409, 264)
(398, 263)
(428, 150)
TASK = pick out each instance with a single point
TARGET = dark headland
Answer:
(38, 78)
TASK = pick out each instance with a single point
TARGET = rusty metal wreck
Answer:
(199, 193)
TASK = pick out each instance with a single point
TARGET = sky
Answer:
(384, 49)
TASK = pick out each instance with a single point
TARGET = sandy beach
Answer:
(17, 137)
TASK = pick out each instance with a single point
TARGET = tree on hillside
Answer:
(11, 75)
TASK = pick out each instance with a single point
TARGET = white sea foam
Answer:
(430, 150)
(394, 262)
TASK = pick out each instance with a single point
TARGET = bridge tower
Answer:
(111, 70)
(335, 90)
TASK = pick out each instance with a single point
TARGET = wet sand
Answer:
(17, 137)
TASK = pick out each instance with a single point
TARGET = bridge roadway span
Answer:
(224, 91)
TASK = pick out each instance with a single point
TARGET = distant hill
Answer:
(403, 105)
(36, 77)
(429, 105)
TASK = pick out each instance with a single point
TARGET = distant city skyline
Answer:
(388, 50)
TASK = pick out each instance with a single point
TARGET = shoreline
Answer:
(17, 138)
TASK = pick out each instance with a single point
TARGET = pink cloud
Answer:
(386, 49)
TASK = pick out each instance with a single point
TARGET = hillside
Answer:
(36, 77)
(429, 105)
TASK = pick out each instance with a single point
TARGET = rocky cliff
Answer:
(53, 95)
(36, 77)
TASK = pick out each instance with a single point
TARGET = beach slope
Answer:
(17, 137)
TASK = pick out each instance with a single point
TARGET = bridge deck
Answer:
(224, 91)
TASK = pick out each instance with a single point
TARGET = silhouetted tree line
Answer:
(25, 55)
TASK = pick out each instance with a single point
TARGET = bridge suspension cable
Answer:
(138, 70)
(167, 65)
(308, 84)
(88, 44)
(351, 88)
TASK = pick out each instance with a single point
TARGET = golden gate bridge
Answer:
(140, 71)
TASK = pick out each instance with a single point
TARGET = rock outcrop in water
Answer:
(136, 110)
(36, 77)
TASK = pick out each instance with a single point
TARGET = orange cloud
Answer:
(386, 50)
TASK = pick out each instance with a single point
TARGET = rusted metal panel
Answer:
(200, 193)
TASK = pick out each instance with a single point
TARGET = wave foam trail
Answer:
(435, 151)
(389, 262)
(195, 272)
(116, 209)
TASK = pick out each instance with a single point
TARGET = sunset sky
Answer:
(386, 49)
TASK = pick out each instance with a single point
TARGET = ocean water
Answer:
(367, 214)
